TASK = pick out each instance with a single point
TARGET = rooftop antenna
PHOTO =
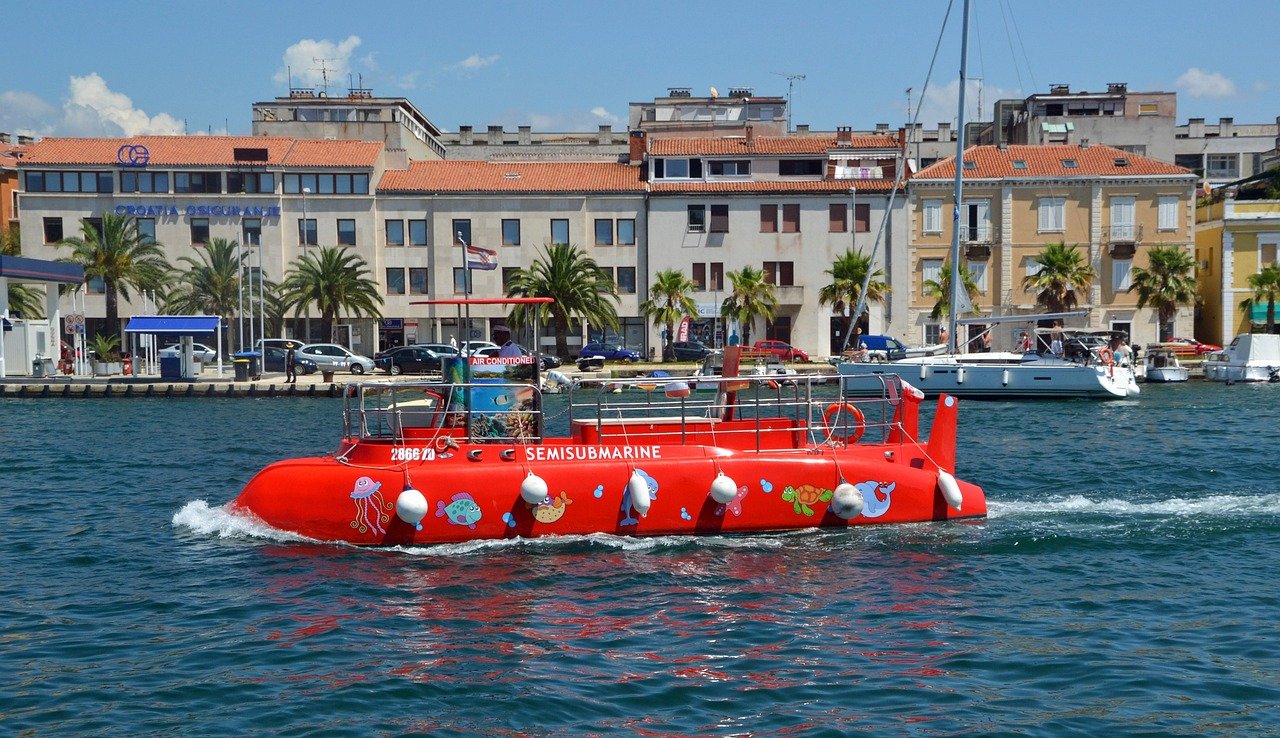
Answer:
(324, 73)
(791, 81)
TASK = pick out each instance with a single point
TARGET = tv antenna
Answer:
(324, 72)
(791, 81)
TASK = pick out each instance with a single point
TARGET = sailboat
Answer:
(989, 375)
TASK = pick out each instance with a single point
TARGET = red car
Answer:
(1201, 348)
(782, 349)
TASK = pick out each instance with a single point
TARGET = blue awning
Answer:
(180, 325)
(22, 269)
(1259, 312)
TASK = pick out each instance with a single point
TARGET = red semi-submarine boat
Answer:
(469, 457)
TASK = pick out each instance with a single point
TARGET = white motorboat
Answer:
(1162, 365)
(1251, 357)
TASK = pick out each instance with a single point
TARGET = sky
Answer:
(132, 68)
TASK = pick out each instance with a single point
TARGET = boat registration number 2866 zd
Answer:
(412, 453)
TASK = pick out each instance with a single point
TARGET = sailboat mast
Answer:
(956, 283)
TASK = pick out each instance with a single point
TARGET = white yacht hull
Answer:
(1251, 357)
(1231, 372)
(1046, 378)
(1168, 374)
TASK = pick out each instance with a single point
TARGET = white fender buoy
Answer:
(723, 489)
(924, 372)
(533, 489)
(950, 490)
(1004, 377)
(846, 501)
(638, 488)
(411, 507)
(960, 375)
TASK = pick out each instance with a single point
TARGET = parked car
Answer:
(439, 349)
(470, 347)
(690, 350)
(781, 349)
(407, 360)
(273, 358)
(546, 362)
(331, 357)
(608, 351)
(1200, 348)
(201, 352)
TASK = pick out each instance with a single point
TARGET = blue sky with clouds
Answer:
(123, 68)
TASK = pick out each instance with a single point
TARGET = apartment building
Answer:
(1235, 239)
(1114, 204)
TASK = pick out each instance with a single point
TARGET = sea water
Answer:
(1124, 584)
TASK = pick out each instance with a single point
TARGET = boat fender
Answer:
(960, 375)
(846, 501)
(676, 390)
(723, 489)
(924, 372)
(533, 489)
(411, 507)
(832, 414)
(950, 490)
(1004, 377)
(638, 489)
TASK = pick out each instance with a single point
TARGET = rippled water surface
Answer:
(1124, 584)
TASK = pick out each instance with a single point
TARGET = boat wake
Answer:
(1222, 505)
(199, 518)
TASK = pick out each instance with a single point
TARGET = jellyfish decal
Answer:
(370, 513)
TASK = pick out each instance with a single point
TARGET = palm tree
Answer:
(1063, 270)
(27, 302)
(1266, 286)
(668, 302)
(1167, 283)
(749, 297)
(940, 291)
(123, 258)
(580, 288)
(847, 273)
(334, 280)
(209, 285)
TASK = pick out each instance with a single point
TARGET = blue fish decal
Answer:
(463, 510)
(873, 504)
(628, 512)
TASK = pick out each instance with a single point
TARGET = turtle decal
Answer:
(804, 496)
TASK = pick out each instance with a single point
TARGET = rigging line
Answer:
(1018, 32)
(897, 183)
(1013, 55)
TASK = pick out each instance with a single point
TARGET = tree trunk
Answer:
(113, 310)
(562, 338)
(669, 351)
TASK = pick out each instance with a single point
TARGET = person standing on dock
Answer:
(290, 365)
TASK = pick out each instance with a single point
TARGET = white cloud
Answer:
(565, 121)
(308, 62)
(90, 109)
(1199, 83)
(475, 62)
(939, 104)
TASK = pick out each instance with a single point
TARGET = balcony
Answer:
(789, 295)
(1124, 233)
(978, 234)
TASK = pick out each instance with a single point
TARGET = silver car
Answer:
(330, 357)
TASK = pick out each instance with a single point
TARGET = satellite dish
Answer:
(714, 93)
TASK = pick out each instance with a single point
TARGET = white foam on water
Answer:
(198, 517)
(623, 543)
(1224, 505)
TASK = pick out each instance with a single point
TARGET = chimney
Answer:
(1084, 143)
(525, 135)
(944, 131)
(1003, 146)
(464, 135)
(495, 136)
(639, 144)
(844, 135)
(751, 135)
(605, 136)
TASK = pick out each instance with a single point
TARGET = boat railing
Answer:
(750, 412)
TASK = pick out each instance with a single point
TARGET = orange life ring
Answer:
(829, 424)
(1106, 356)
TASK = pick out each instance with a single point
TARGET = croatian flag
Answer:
(478, 258)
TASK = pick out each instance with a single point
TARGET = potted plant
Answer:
(106, 355)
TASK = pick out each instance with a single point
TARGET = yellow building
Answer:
(1235, 239)
(1113, 204)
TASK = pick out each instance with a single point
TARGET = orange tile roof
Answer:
(482, 177)
(1046, 161)
(213, 151)
(835, 186)
(306, 153)
(163, 150)
(764, 145)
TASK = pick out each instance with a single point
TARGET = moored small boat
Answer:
(427, 462)
(1162, 365)
(1250, 357)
